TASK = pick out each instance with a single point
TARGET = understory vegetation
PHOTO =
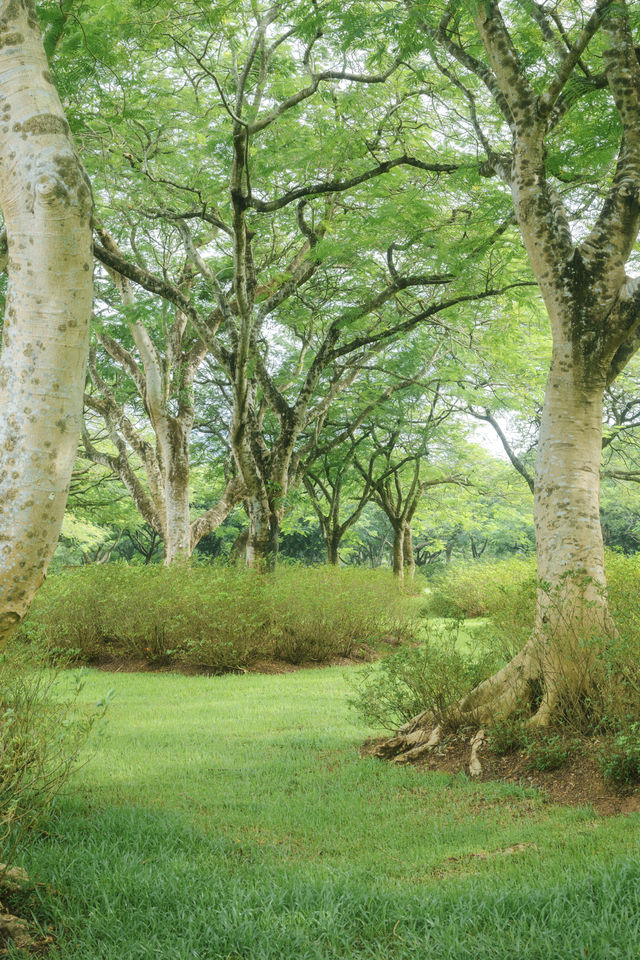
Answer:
(42, 733)
(215, 617)
(461, 651)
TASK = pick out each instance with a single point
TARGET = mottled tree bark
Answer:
(408, 555)
(333, 552)
(398, 550)
(46, 201)
(264, 533)
(594, 312)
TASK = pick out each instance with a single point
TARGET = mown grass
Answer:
(232, 817)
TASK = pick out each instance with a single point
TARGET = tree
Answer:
(264, 118)
(47, 205)
(326, 480)
(592, 302)
(162, 374)
(395, 473)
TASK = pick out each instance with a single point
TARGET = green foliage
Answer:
(620, 761)
(482, 589)
(432, 676)
(505, 592)
(542, 749)
(548, 751)
(215, 618)
(42, 731)
(506, 734)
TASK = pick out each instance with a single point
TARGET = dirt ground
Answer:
(578, 782)
(132, 665)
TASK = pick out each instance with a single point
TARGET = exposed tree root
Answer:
(475, 767)
(533, 677)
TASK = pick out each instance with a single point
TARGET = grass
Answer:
(231, 817)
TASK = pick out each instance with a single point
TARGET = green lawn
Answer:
(232, 817)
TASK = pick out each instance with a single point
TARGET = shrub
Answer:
(507, 734)
(543, 750)
(432, 676)
(215, 617)
(480, 588)
(548, 751)
(620, 762)
(42, 731)
(505, 592)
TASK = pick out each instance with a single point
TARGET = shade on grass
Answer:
(232, 817)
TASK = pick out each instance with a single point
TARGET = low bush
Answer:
(42, 730)
(505, 593)
(481, 588)
(620, 761)
(549, 751)
(543, 749)
(432, 676)
(215, 617)
(507, 734)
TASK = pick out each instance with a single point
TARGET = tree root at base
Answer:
(498, 697)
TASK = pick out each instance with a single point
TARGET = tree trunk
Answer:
(333, 545)
(210, 520)
(46, 201)
(263, 539)
(177, 538)
(571, 612)
(398, 552)
(173, 444)
(408, 555)
(555, 665)
(238, 552)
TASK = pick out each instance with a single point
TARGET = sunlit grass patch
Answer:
(233, 817)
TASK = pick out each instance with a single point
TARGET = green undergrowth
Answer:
(232, 817)
(215, 617)
(432, 675)
(43, 729)
(505, 592)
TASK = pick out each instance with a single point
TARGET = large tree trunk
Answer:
(572, 613)
(173, 441)
(333, 546)
(594, 309)
(177, 539)
(46, 201)
(555, 667)
(206, 523)
(264, 534)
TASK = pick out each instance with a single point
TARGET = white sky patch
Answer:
(486, 437)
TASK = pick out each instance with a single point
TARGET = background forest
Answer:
(392, 307)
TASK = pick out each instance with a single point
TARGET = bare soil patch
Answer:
(579, 782)
(123, 664)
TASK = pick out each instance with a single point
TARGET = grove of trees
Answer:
(328, 239)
